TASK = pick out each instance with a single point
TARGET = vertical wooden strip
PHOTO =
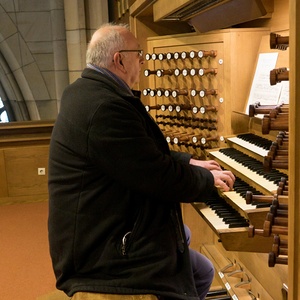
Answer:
(294, 154)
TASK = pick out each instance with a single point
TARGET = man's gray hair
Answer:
(101, 51)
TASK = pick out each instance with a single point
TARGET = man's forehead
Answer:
(133, 40)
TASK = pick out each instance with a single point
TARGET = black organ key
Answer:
(241, 187)
(220, 292)
(253, 164)
(256, 140)
(225, 212)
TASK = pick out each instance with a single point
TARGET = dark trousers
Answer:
(203, 268)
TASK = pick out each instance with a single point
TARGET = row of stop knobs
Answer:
(182, 107)
(181, 138)
(179, 92)
(184, 72)
(181, 55)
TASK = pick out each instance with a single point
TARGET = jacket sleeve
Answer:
(181, 156)
(121, 146)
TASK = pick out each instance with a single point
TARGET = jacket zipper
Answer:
(129, 237)
(124, 243)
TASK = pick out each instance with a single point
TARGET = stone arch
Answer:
(33, 59)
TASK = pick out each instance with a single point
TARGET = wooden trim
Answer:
(294, 154)
(163, 8)
(139, 6)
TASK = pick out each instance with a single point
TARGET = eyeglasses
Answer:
(140, 52)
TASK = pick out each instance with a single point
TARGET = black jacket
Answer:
(114, 196)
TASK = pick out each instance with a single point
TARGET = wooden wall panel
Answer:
(24, 148)
(22, 170)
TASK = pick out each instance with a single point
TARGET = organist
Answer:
(115, 226)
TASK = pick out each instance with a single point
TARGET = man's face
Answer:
(132, 60)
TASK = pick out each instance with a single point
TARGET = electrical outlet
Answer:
(41, 171)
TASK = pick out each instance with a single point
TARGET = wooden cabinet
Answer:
(238, 49)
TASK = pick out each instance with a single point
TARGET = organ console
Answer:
(241, 223)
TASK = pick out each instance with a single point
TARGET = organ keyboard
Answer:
(231, 225)
(236, 238)
(250, 178)
(254, 213)
(253, 143)
(243, 171)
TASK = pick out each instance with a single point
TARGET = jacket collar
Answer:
(110, 74)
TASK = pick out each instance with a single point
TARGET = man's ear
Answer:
(118, 62)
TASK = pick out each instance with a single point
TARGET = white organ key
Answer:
(238, 200)
(240, 203)
(210, 215)
(256, 149)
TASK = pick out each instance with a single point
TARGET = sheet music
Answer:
(285, 92)
(261, 90)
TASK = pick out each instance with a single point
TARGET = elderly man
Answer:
(115, 188)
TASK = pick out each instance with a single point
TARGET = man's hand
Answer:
(207, 164)
(224, 180)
